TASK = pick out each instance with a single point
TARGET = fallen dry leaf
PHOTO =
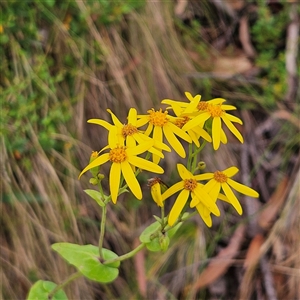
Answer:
(219, 265)
(269, 213)
(253, 253)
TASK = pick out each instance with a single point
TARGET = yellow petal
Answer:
(232, 128)
(243, 188)
(95, 163)
(229, 172)
(145, 164)
(216, 101)
(206, 200)
(156, 152)
(113, 138)
(216, 132)
(155, 159)
(149, 129)
(204, 176)
(223, 198)
(196, 121)
(178, 206)
(202, 210)
(184, 172)
(228, 107)
(115, 120)
(114, 181)
(195, 201)
(156, 194)
(194, 137)
(202, 133)
(142, 120)
(141, 148)
(178, 131)
(172, 190)
(132, 115)
(130, 141)
(131, 180)
(233, 199)
(103, 123)
(157, 134)
(223, 137)
(212, 184)
(173, 141)
(234, 119)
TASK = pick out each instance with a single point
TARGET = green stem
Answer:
(194, 156)
(162, 209)
(102, 231)
(125, 256)
(63, 284)
(189, 162)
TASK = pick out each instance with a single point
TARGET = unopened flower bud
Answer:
(100, 176)
(94, 181)
(201, 165)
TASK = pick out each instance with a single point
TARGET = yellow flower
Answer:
(160, 123)
(155, 187)
(182, 111)
(130, 133)
(222, 179)
(123, 160)
(189, 186)
(216, 110)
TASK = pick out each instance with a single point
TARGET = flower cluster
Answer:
(194, 122)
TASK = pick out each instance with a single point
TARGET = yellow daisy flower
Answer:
(161, 124)
(222, 179)
(182, 111)
(188, 186)
(130, 133)
(123, 160)
(216, 110)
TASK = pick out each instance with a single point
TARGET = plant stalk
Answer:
(63, 284)
(125, 256)
(102, 231)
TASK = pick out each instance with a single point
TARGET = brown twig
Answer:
(244, 37)
(268, 279)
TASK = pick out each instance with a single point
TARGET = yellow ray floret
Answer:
(123, 160)
(188, 186)
(222, 180)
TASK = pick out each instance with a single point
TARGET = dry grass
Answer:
(144, 60)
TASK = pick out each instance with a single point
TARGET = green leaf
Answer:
(154, 245)
(96, 196)
(146, 235)
(87, 261)
(41, 289)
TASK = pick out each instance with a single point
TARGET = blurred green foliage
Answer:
(268, 36)
(39, 66)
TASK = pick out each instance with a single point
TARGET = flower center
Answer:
(128, 130)
(118, 154)
(182, 121)
(190, 184)
(220, 176)
(202, 105)
(158, 118)
(215, 110)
